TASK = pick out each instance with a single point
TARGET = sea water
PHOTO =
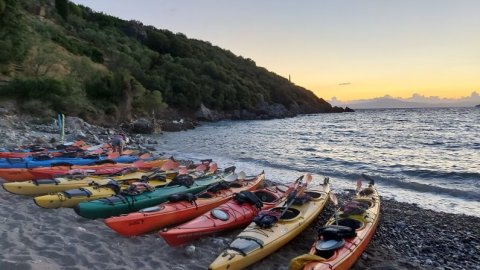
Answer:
(430, 157)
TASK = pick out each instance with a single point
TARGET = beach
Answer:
(408, 237)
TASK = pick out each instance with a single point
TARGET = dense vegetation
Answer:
(58, 56)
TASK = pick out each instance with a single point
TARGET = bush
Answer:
(40, 92)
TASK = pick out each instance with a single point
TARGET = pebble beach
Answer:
(408, 236)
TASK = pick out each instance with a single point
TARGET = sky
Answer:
(347, 49)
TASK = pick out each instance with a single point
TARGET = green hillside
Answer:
(58, 56)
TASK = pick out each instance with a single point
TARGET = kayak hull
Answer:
(70, 198)
(45, 186)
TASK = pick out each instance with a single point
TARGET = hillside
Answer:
(60, 57)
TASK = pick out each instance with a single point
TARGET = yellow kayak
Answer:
(71, 197)
(255, 242)
(45, 186)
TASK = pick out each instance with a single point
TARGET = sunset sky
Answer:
(348, 49)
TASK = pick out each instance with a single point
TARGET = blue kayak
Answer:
(30, 162)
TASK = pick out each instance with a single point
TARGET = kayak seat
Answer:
(236, 185)
(245, 245)
(249, 197)
(189, 197)
(355, 224)
(366, 191)
(291, 213)
(336, 232)
(326, 248)
(205, 195)
(366, 202)
(314, 195)
(38, 182)
(77, 193)
(265, 196)
(219, 186)
(332, 237)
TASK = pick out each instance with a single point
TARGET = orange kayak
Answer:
(20, 174)
(339, 245)
(175, 212)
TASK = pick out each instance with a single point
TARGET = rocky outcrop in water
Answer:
(262, 111)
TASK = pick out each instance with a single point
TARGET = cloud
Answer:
(345, 83)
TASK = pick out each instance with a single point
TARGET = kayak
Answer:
(175, 212)
(256, 242)
(23, 174)
(126, 203)
(45, 186)
(97, 190)
(31, 162)
(235, 213)
(339, 246)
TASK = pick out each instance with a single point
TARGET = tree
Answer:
(62, 8)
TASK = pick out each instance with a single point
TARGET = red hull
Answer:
(171, 213)
(239, 215)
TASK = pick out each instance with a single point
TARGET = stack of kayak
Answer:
(235, 213)
(67, 170)
(125, 202)
(181, 208)
(69, 191)
(137, 194)
(131, 183)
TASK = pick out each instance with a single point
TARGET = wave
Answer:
(430, 174)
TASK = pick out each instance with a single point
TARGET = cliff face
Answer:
(68, 58)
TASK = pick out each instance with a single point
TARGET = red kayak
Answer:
(19, 174)
(175, 212)
(236, 213)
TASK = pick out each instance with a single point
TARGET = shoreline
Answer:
(407, 237)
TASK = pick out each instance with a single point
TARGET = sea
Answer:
(429, 157)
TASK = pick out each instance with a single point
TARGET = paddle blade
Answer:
(333, 198)
(359, 185)
(242, 175)
(168, 165)
(113, 155)
(139, 163)
(308, 178)
(231, 177)
(213, 168)
(201, 168)
(183, 170)
(145, 156)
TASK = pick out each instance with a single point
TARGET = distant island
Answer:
(416, 101)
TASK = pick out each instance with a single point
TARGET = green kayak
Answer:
(127, 202)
